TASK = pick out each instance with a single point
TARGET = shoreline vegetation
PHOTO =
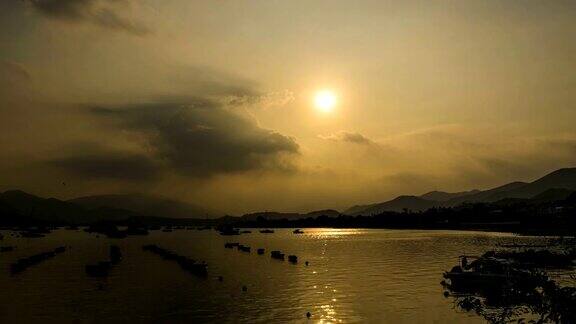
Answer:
(515, 285)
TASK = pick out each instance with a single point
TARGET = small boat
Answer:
(293, 258)
(244, 248)
(230, 245)
(245, 232)
(277, 255)
(267, 231)
(298, 231)
(261, 251)
(228, 230)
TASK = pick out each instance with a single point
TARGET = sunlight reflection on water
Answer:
(333, 232)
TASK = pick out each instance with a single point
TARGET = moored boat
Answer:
(277, 255)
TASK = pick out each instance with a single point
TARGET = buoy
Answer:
(306, 263)
(244, 288)
(446, 294)
(308, 314)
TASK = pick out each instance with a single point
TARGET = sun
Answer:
(325, 100)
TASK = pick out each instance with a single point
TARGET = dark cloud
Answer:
(201, 138)
(95, 162)
(213, 82)
(64, 9)
(93, 11)
(108, 18)
(349, 137)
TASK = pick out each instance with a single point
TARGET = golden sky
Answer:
(214, 102)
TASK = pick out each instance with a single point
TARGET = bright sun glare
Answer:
(325, 100)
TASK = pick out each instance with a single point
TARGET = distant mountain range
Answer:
(445, 196)
(18, 207)
(554, 186)
(290, 216)
(147, 205)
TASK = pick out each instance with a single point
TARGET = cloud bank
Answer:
(198, 138)
(103, 13)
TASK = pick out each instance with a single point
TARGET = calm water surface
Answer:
(355, 275)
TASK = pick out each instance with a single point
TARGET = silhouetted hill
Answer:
(290, 216)
(546, 198)
(10, 215)
(146, 205)
(398, 204)
(21, 208)
(571, 200)
(489, 195)
(31, 208)
(445, 196)
(552, 195)
(270, 216)
(324, 212)
(560, 179)
(556, 185)
(357, 209)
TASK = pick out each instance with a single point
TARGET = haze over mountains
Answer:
(147, 205)
(17, 205)
(277, 216)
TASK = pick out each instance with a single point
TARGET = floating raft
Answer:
(190, 265)
(25, 263)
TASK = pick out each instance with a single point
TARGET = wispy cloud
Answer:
(350, 137)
